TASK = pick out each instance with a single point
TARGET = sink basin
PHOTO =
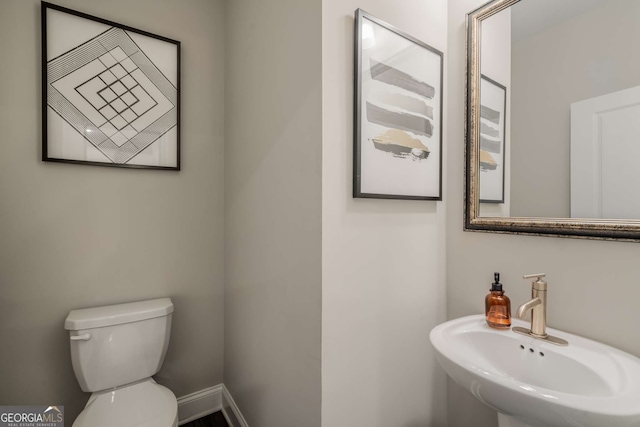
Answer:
(535, 383)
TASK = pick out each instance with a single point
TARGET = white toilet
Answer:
(115, 350)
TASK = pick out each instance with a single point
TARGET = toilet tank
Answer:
(119, 344)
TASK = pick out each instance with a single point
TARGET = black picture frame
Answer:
(493, 139)
(397, 113)
(110, 93)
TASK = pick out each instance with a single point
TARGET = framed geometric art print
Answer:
(110, 93)
(397, 114)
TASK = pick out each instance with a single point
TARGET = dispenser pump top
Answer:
(496, 285)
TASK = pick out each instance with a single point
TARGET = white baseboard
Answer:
(204, 402)
(199, 404)
(231, 411)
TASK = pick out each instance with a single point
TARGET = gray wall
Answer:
(584, 57)
(593, 285)
(383, 265)
(273, 210)
(79, 236)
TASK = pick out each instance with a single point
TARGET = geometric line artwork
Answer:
(112, 94)
(96, 85)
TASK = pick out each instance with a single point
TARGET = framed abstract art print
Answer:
(397, 114)
(492, 140)
(110, 93)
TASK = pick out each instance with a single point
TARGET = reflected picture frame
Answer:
(493, 147)
(398, 88)
(110, 93)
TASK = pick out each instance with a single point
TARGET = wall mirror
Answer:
(553, 118)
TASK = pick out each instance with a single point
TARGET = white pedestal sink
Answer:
(532, 383)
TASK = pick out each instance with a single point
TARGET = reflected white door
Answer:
(605, 156)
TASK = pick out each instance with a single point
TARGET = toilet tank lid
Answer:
(98, 317)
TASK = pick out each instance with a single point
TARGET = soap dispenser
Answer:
(498, 306)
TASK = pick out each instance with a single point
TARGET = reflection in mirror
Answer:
(569, 73)
(553, 102)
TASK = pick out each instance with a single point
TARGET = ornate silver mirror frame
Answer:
(608, 229)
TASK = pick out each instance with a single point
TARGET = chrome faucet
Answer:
(538, 307)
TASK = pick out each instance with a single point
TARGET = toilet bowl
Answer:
(145, 404)
(115, 350)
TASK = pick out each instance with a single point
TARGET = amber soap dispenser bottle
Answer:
(497, 306)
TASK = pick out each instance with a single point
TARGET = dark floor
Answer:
(214, 420)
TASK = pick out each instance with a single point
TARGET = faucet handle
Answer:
(539, 284)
